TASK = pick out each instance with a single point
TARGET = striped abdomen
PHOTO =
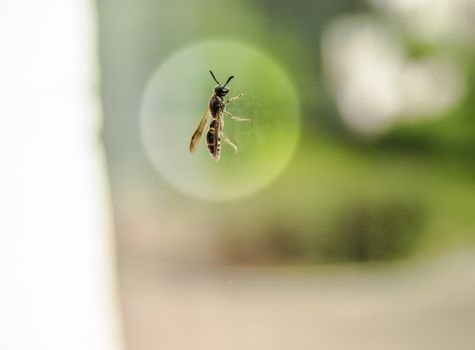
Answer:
(213, 140)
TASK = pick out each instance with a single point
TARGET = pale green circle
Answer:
(176, 98)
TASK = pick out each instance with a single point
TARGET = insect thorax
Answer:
(216, 106)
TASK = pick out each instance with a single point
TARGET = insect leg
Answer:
(228, 141)
(234, 98)
(235, 117)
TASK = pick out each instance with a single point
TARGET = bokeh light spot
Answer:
(176, 98)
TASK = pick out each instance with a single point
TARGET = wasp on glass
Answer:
(217, 109)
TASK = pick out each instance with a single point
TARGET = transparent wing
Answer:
(199, 130)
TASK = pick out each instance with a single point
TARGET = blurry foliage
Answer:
(363, 232)
(342, 198)
(372, 232)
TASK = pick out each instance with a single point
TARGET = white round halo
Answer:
(176, 98)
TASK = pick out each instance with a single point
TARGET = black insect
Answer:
(217, 108)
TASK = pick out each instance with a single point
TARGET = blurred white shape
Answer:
(430, 86)
(56, 262)
(436, 21)
(362, 60)
(375, 84)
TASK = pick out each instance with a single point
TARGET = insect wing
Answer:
(199, 130)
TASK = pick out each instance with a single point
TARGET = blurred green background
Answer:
(384, 168)
(361, 235)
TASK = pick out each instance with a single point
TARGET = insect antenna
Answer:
(229, 79)
(215, 78)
